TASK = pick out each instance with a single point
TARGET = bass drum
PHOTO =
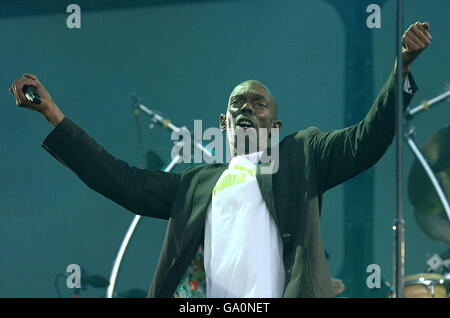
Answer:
(425, 285)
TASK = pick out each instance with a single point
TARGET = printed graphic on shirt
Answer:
(250, 171)
(193, 283)
(234, 178)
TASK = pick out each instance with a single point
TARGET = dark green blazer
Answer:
(310, 162)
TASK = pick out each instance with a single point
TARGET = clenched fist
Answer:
(47, 107)
(415, 40)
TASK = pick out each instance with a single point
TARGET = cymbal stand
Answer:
(409, 138)
(408, 135)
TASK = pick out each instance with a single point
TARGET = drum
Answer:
(425, 285)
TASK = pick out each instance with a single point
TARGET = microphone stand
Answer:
(399, 222)
(425, 105)
(167, 124)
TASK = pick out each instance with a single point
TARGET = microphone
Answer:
(31, 94)
(92, 280)
(133, 293)
(95, 281)
(167, 124)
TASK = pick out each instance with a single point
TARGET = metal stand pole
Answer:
(426, 105)
(165, 123)
(126, 240)
(415, 149)
(399, 223)
(408, 135)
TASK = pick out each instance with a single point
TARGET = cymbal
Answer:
(429, 212)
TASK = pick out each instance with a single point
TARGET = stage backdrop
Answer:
(182, 59)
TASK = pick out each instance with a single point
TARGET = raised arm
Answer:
(145, 192)
(342, 154)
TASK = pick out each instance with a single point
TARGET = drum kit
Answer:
(428, 191)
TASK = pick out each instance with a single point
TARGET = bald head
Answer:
(251, 109)
(258, 89)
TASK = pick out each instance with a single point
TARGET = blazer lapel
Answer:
(202, 197)
(265, 186)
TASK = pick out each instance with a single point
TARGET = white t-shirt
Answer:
(243, 251)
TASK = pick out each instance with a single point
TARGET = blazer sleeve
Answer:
(142, 191)
(342, 154)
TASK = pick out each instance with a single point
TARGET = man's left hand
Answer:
(415, 40)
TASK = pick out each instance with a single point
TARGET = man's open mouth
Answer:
(245, 123)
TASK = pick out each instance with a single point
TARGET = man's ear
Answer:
(223, 122)
(277, 124)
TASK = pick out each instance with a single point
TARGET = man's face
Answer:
(250, 108)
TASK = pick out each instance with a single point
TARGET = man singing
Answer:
(234, 231)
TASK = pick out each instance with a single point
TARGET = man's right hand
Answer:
(47, 107)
